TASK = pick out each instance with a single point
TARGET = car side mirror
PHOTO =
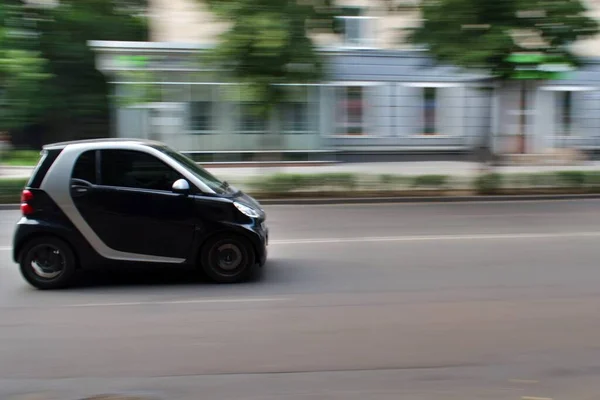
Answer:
(181, 186)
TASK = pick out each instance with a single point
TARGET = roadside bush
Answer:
(592, 181)
(518, 180)
(285, 183)
(341, 180)
(529, 180)
(542, 180)
(10, 190)
(488, 183)
(279, 183)
(386, 179)
(393, 180)
(571, 179)
(430, 181)
(492, 183)
(25, 158)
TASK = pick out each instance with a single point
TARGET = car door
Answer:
(125, 197)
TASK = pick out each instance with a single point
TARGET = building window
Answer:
(429, 110)
(295, 117)
(356, 29)
(203, 107)
(201, 114)
(250, 119)
(350, 111)
(565, 113)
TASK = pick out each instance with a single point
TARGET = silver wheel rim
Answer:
(47, 261)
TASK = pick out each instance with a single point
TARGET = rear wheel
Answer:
(47, 263)
(228, 259)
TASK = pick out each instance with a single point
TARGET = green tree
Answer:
(80, 93)
(512, 39)
(268, 44)
(485, 34)
(51, 78)
(22, 69)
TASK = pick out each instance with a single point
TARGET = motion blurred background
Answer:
(297, 99)
(236, 80)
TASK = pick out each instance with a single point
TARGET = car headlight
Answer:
(247, 211)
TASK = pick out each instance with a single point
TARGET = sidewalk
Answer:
(457, 169)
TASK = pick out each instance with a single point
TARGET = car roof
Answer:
(62, 145)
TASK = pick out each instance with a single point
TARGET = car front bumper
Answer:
(264, 235)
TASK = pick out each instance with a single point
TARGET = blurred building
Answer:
(381, 99)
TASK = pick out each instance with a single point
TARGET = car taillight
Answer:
(26, 197)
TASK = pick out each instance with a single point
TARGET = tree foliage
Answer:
(52, 68)
(22, 69)
(268, 43)
(77, 87)
(484, 34)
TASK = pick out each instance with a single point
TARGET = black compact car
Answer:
(90, 203)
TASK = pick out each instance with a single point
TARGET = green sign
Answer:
(539, 66)
(133, 61)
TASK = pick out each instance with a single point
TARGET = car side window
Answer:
(85, 167)
(136, 170)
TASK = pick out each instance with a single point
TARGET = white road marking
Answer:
(176, 302)
(5, 248)
(507, 236)
(536, 398)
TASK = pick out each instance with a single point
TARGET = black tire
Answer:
(57, 273)
(218, 250)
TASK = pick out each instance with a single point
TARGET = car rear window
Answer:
(46, 160)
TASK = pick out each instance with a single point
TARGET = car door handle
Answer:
(80, 188)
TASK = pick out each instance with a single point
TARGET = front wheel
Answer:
(47, 263)
(228, 259)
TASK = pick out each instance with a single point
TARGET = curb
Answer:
(392, 200)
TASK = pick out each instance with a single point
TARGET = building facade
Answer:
(379, 98)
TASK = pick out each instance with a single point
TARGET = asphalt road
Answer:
(411, 301)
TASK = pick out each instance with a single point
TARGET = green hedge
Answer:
(20, 158)
(430, 181)
(488, 184)
(286, 184)
(493, 183)
(576, 181)
(10, 190)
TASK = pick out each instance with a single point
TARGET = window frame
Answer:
(344, 121)
(214, 105)
(241, 116)
(435, 91)
(289, 125)
(366, 31)
(560, 130)
(577, 131)
(211, 118)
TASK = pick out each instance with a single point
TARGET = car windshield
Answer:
(206, 177)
